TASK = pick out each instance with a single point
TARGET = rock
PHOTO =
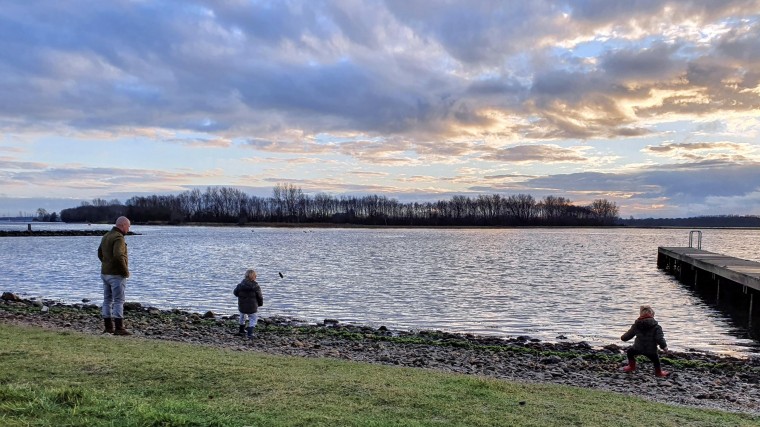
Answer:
(613, 348)
(45, 309)
(551, 360)
(561, 337)
(132, 306)
(85, 300)
(209, 315)
(331, 322)
(8, 296)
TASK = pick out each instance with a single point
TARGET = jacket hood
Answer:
(646, 323)
(248, 285)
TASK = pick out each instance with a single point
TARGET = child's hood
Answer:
(646, 323)
(248, 285)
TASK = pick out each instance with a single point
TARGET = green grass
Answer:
(52, 378)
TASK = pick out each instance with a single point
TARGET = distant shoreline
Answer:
(253, 226)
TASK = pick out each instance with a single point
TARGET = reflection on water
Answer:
(585, 284)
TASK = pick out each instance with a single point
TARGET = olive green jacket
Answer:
(112, 253)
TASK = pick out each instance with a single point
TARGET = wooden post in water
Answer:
(29, 228)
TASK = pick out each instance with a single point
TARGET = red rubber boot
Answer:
(631, 366)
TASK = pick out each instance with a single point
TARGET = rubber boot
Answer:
(250, 332)
(120, 330)
(108, 322)
(631, 366)
(241, 330)
(660, 373)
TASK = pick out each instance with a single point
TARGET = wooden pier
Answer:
(732, 282)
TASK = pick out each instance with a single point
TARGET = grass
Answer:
(53, 378)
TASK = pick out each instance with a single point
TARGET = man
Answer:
(114, 270)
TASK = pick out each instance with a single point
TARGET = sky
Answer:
(651, 104)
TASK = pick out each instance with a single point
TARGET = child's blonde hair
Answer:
(250, 274)
(645, 309)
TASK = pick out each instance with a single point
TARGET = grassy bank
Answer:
(61, 378)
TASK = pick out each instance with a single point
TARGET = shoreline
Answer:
(697, 379)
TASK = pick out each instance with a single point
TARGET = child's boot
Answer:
(658, 372)
(631, 366)
(250, 332)
(241, 330)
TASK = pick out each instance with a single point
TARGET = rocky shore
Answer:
(697, 379)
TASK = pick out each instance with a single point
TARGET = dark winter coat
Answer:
(648, 335)
(112, 253)
(249, 296)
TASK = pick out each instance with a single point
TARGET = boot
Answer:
(241, 331)
(250, 332)
(108, 322)
(631, 366)
(660, 373)
(120, 330)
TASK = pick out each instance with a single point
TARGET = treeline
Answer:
(288, 204)
(698, 221)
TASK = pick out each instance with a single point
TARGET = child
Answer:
(249, 300)
(648, 335)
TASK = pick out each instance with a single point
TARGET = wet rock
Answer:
(132, 306)
(330, 322)
(209, 315)
(8, 296)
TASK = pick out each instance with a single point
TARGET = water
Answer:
(585, 284)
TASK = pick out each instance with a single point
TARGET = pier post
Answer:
(717, 293)
(751, 295)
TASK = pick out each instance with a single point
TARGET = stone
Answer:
(132, 306)
(551, 360)
(8, 296)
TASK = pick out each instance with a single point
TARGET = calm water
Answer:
(585, 284)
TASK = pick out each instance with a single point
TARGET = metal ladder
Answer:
(699, 239)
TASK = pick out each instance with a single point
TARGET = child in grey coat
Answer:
(250, 299)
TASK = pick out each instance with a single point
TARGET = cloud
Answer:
(535, 153)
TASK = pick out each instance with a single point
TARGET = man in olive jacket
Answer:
(114, 270)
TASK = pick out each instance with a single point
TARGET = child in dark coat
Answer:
(648, 335)
(249, 300)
